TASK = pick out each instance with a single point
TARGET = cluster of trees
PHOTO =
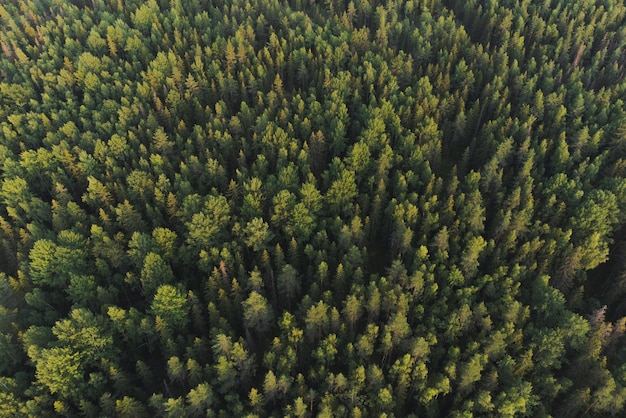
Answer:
(343, 208)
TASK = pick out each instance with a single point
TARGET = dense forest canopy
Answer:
(300, 208)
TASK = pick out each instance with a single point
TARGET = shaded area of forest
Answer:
(343, 208)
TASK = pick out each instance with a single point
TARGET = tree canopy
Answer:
(338, 208)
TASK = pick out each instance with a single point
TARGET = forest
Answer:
(337, 208)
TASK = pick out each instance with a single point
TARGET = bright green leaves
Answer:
(60, 370)
(45, 266)
(342, 192)
(200, 398)
(316, 320)
(97, 194)
(19, 201)
(166, 242)
(469, 259)
(311, 197)
(592, 224)
(86, 334)
(257, 234)
(283, 204)
(69, 367)
(155, 272)
(471, 372)
(208, 227)
(88, 68)
(52, 264)
(360, 158)
(145, 16)
(10, 403)
(302, 222)
(172, 306)
(295, 218)
(234, 364)
(519, 400)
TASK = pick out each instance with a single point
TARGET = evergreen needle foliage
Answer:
(343, 208)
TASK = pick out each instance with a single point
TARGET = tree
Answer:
(341, 193)
(166, 240)
(471, 372)
(316, 320)
(129, 407)
(270, 386)
(288, 283)
(176, 370)
(10, 404)
(352, 309)
(469, 258)
(208, 227)
(86, 333)
(257, 312)
(51, 264)
(60, 369)
(283, 204)
(171, 305)
(257, 234)
(302, 223)
(155, 272)
(200, 399)
(299, 407)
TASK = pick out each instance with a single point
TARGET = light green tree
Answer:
(172, 306)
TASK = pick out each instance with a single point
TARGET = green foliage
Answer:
(171, 305)
(254, 208)
(257, 234)
(52, 264)
(60, 370)
(257, 313)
